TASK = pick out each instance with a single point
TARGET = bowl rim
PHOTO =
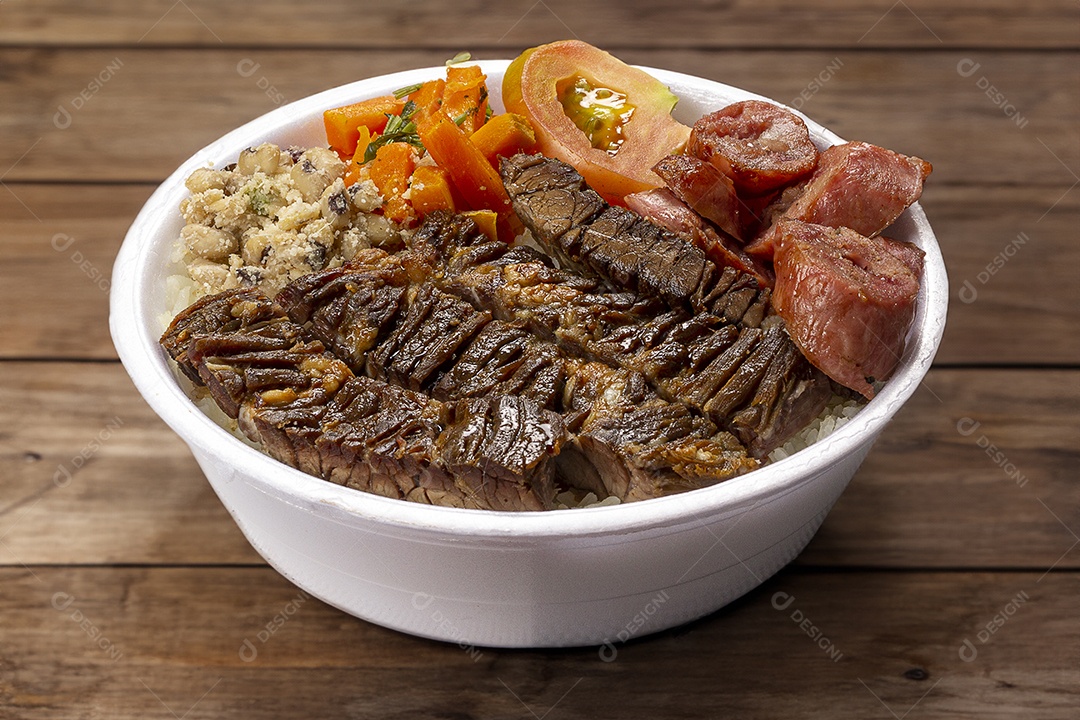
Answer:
(133, 331)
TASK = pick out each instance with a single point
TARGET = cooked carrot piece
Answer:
(504, 135)
(486, 220)
(465, 99)
(390, 171)
(352, 171)
(429, 190)
(470, 171)
(428, 98)
(343, 123)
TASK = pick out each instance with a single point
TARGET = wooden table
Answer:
(946, 582)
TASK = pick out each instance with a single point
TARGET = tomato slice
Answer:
(612, 122)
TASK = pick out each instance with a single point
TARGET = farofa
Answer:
(275, 216)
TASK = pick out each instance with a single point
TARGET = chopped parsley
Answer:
(260, 201)
(407, 90)
(399, 128)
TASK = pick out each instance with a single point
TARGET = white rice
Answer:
(836, 414)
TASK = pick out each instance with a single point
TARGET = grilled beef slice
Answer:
(310, 411)
(585, 234)
(603, 405)
(711, 362)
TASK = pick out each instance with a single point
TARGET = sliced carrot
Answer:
(343, 123)
(428, 97)
(504, 135)
(352, 170)
(465, 99)
(429, 190)
(486, 220)
(390, 171)
(470, 171)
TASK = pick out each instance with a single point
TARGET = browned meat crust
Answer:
(309, 410)
(505, 357)
(713, 363)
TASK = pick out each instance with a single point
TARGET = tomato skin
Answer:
(531, 88)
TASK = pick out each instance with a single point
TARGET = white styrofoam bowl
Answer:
(597, 576)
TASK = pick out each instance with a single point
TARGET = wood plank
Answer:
(87, 468)
(974, 226)
(1012, 258)
(140, 643)
(922, 499)
(151, 109)
(55, 264)
(514, 25)
(983, 460)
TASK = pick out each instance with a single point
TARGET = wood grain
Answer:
(522, 23)
(944, 582)
(150, 642)
(156, 107)
(974, 225)
(922, 499)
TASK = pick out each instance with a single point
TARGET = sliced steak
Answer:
(715, 363)
(848, 300)
(584, 233)
(309, 411)
(435, 328)
(856, 185)
(759, 145)
(351, 310)
(496, 440)
(614, 244)
(662, 207)
(245, 315)
(652, 450)
(505, 359)
(383, 439)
